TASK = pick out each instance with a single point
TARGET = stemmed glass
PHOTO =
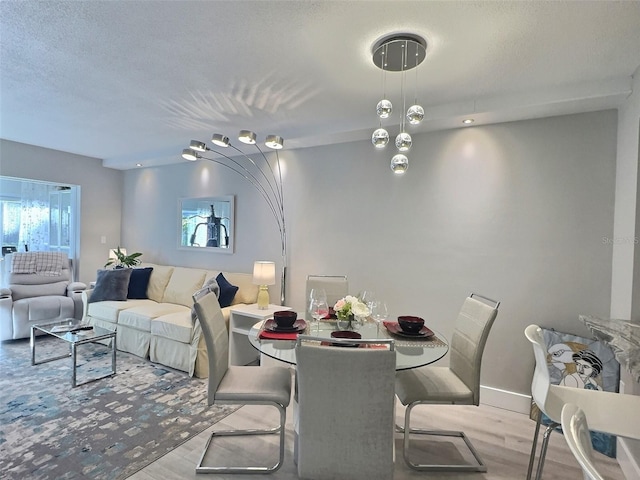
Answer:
(318, 307)
(367, 297)
(379, 312)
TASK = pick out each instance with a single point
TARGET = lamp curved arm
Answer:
(254, 182)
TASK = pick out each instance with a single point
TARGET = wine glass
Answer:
(367, 297)
(318, 309)
(379, 312)
(317, 294)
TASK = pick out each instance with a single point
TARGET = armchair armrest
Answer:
(5, 292)
(76, 287)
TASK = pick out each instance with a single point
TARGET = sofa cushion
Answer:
(111, 285)
(158, 281)
(182, 285)
(109, 310)
(175, 326)
(248, 292)
(227, 291)
(140, 317)
(139, 282)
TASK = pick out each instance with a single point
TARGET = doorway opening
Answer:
(39, 216)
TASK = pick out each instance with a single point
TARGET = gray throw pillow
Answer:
(111, 285)
(210, 285)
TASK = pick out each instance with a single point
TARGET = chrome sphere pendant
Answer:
(380, 138)
(403, 142)
(415, 114)
(384, 108)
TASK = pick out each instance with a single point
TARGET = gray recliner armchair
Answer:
(37, 288)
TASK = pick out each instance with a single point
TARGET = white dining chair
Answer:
(576, 432)
(608, 412)
(239, 385)
(457, 384)
(345, 409)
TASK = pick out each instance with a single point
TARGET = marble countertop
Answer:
(622, 335)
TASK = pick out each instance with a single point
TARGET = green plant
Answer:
(123, 260)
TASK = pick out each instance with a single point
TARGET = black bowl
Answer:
(410, 324)
(285, 318)
(346, 334)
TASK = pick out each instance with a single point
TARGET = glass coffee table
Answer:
(75, 333)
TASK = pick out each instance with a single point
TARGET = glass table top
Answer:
(410, 352)
(73, 330)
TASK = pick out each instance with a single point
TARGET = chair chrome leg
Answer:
(479, 467)
(543, 449)
(200, 468)
(534, 445)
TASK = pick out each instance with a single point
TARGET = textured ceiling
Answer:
(134, 81)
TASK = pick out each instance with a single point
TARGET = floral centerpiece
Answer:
(349, 310)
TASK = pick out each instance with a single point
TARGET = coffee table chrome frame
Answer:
(73, 342)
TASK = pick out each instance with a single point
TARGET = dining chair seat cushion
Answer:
(432, 384)
(247, 384)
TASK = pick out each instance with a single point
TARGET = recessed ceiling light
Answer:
(468, 121)
(138, 164)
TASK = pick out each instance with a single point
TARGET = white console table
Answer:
(241, 318)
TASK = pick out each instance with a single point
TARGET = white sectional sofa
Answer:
(161, 327)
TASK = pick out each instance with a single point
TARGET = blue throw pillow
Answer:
(139, 282)
(111, 285)
(227, 291)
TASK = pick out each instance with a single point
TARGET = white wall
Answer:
(516, 211)
(625, 283)
(100, 190)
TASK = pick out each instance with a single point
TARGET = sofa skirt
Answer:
(133, 341)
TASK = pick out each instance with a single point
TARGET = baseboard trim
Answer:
(515, 402)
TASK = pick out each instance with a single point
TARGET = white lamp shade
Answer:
(264, 273)
(112, 253)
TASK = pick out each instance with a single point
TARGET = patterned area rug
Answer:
(108, 429)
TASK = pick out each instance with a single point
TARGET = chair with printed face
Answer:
(608, 412)
(457, 384)
(239, 385)
(346, 409)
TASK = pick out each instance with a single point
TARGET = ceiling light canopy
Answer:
(398, 53)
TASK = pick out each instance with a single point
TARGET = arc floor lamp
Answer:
(263, 175)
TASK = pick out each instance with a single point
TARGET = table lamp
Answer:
(264, 274)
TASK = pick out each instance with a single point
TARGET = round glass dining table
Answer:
(411, 352)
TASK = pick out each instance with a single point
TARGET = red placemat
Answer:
(270, 335)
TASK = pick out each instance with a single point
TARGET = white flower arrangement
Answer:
(351, 306)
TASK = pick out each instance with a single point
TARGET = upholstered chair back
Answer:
(36, 274)
(335, 286)
(468, 341)
(540, 385)
(346, 412)
(216, 338)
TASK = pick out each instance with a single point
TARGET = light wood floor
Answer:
(503, 439)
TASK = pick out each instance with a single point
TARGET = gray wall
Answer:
(100, 190)
(517, 211)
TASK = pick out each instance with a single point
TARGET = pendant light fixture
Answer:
(398, 53)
